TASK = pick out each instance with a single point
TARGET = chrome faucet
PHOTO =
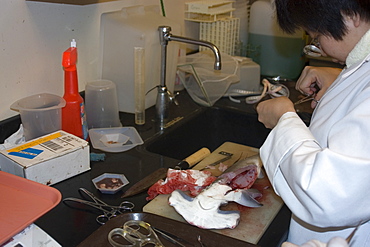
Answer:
(164, 96)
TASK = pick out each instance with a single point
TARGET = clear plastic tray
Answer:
(131, 132)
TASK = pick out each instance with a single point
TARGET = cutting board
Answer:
(253, 221)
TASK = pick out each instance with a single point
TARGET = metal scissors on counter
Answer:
(109, 211)
(138, 233)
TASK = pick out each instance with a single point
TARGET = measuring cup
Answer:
(41, 114)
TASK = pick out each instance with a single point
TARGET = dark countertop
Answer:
(70, 226)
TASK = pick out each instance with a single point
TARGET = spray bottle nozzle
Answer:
(73, 43)
(70, 57)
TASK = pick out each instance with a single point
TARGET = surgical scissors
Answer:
(138, 233)
(108, 211)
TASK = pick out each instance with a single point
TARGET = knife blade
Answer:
(161, 173)
(228, 156)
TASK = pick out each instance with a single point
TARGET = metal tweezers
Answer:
(350, 236)
(169, 237)
(305, 99)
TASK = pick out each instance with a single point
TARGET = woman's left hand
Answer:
(334, 242)
(270, 111)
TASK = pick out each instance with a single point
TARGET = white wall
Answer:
(33, 37)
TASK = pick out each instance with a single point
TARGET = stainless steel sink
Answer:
(208, 127)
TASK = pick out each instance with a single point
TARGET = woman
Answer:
(323, 172)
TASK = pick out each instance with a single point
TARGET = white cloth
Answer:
(360, 51)
(323, 172)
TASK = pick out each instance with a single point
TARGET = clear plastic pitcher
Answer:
(41, 114)
(101, 104)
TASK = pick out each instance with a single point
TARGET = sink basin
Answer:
(208, 127)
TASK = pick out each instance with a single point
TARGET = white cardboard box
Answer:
(49, 159)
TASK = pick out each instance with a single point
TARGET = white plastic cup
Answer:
(41, 114)
(101, 104)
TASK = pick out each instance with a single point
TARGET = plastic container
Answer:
(114, 140)
(276, 52)
(250, 77)
(101, 104)
(121, 32)
(110, 183)
(209, 11)
(41, 114)
(223, 33)
(96, 136)
(204, 84)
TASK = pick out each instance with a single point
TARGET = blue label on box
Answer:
(28, 153)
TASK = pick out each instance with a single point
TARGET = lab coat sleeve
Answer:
(289, 131)
(319, 184)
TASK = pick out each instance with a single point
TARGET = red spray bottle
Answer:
(73, 114)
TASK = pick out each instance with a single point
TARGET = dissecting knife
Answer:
(228, 156)
(161, 173)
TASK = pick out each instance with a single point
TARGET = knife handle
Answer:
(193, 159)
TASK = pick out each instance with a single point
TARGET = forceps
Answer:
(138, 233)
(350, 236)
(109, 211)
(305, 99)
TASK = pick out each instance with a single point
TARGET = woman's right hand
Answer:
(316, 80)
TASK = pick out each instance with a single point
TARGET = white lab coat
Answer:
(323, 172)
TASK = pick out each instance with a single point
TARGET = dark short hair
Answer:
(322, 16)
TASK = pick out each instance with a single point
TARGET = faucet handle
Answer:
(172, 97)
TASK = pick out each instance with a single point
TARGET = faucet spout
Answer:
(215, 50)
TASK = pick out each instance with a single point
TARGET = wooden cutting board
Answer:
(253, 221)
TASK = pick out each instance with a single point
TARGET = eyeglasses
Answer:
(313, 49)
